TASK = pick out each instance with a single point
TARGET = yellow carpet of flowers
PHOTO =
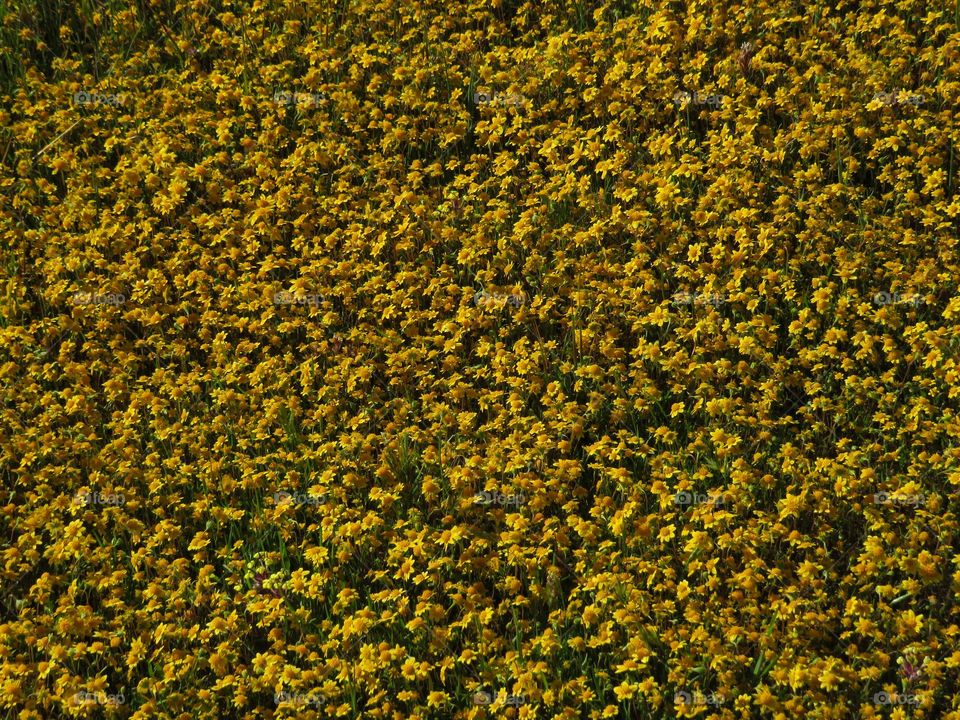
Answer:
(408, 359)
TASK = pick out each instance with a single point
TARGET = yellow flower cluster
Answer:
(517, 359)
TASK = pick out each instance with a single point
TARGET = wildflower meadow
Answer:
(524, 359)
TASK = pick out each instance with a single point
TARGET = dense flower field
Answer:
(483, 359)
